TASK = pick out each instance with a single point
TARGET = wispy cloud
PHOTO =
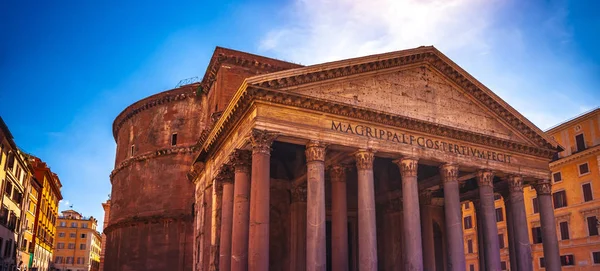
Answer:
(519, 50)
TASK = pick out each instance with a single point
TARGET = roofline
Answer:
(572, 120)
(6, 131)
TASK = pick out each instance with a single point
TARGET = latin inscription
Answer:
(420, 141)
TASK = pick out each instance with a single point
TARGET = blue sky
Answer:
(68, 68)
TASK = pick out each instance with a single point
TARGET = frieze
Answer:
(430, 58)
(156, 219)
(153, 154)
(315, 151)
(371, 116)
(364, 159)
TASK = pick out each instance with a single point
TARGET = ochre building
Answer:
(359, 164)
(78, 243)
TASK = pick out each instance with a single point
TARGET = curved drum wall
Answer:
(151, 202)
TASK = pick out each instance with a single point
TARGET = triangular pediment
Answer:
(420, 84)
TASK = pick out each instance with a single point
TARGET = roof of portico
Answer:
(274, 87)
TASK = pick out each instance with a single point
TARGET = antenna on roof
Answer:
(187, 81)
(71, 206)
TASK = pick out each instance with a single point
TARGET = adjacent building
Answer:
(106, 207)
(575, 192)
(78, 243)
(15, 174)
(44, 228)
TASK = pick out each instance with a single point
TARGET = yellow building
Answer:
(575, 194)
(29, 210)
(78, 243)
(46, 215)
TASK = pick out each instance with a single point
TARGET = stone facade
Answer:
(356, 164)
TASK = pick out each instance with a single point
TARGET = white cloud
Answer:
(517, 49)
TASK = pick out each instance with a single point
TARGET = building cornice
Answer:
(425, 55)
(153, 154)
(576, 156)
(252, 94)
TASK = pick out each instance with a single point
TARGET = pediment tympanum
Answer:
(417, 93)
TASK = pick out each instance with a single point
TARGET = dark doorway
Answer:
(580, 142)
(328, 245)
(438, 243)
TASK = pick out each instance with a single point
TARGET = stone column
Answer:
(480, 238)
(485, 179)
(240, 160)
(316, 254)
(413, 250)
(339, 219)
(427, 237)
(520, 230)
(512, 253)
(298, 228)
(548, 224)
(453, 212)
(226, 177)
(367, 234)
(258, 242)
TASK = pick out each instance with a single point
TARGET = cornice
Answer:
(151, 155)
(425, 55)
(165, 97)
(251, 94)
(574, 157)
(155, 219)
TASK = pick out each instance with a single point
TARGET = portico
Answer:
(363, 165)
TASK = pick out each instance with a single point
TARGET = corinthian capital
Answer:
(515, 183)
(225, 174)
(485, 177)
(261, 141)
(449, 172)
(364, 159)
(408, 166)
(240, 160)
(315, 151)
(543, 187)
(337, 173)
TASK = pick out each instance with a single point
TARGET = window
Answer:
(499, 215)
(469, 246)
(62, 224)
(536, 207)
(72, 235)
(467, 205)
(8, 190)
(84, 225)
(580, 142)
(584, 169)
(82, 246)
(559, 199)
(83, 235)
(468, 222)
(557, 177)
(61, 234)
(80, 260)
(71, 246)
(471, 267)
(564, 230)
(174, 139)
(497, 197)
(566, 260)
(592, 222)
(587, 192)
(542, 262)
(61, 245)
(131, 151)
(596, 257)
(502, 265)
(73, 224)
(501, 240)
(7, 245)
(58, 259)
(70, 260)
(536, 233)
